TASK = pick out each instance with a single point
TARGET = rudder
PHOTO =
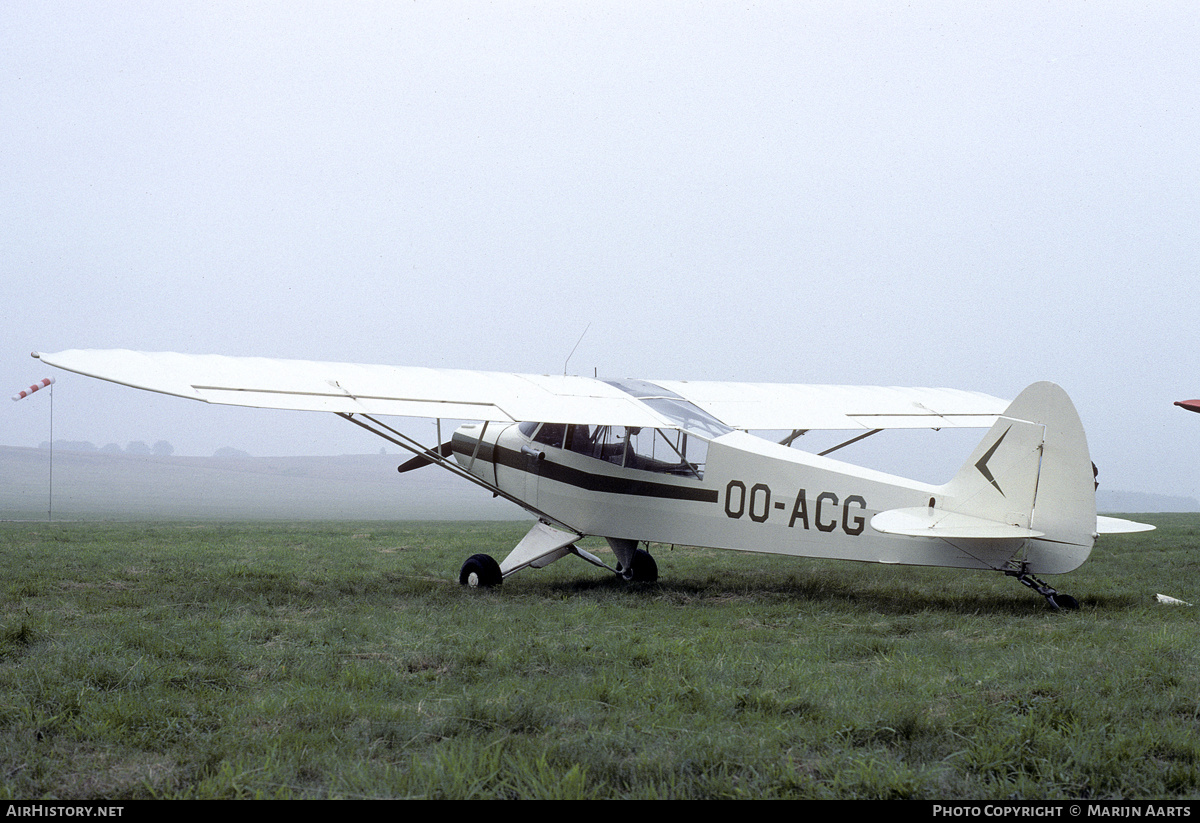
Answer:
(1033, 471)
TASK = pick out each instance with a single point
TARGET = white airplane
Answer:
(673, 462)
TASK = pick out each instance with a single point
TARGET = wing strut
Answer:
(434, 456)
(849, 442)
(791, 438)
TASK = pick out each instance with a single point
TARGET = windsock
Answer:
(41, 384)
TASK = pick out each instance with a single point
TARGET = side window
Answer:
(668, 452)
(601, 442)
(653, 450)
(582, 439)
(610, 444)
(551, 434)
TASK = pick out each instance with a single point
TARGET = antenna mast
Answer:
(572, 354)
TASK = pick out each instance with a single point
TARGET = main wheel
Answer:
(480, 571)
(642, 568)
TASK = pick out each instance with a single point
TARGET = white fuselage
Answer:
(753, 495)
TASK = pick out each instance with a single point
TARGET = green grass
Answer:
(342, 660)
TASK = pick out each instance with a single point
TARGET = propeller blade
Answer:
(429, 457)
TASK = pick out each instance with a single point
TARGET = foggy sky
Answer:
(973, 195)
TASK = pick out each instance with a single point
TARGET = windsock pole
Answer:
(46, 382)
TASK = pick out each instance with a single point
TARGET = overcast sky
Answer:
(975, 195)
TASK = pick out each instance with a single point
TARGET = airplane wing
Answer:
(351, 388)
(781, 406)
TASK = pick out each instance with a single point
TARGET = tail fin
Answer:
(1032, 471)
(1027, 492)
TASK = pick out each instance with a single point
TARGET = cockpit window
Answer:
(655, 450)
(666, 451)
(551, 434)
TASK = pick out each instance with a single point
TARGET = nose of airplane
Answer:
(467, 445)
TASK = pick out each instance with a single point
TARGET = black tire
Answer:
(480, 571)
(1065, 601)
(642, 568)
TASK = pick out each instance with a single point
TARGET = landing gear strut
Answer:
(1056, 599)
(544, 545)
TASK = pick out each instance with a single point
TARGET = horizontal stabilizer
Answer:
(926, 522)
(1115, 525)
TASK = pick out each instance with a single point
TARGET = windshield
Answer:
(683, 413)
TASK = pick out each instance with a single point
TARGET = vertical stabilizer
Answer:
(1032, 470)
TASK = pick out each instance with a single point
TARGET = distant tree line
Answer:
(137, 447)
(160, 449)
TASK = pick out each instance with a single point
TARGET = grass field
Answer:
(175, 660)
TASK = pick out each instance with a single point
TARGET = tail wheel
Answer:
(481, 571)
(642, 568)
(1057, 600)
(1063, 601)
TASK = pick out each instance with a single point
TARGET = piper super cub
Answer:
(636, 461)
